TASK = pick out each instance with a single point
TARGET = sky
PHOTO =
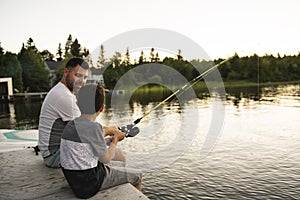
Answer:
(220, 27)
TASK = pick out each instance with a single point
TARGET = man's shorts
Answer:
(53, 160)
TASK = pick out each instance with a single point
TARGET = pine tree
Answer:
(59, 53)
(142, 58)
(34, 74)
(68, 45)
(179, 57)
(76, 49)
(47, 55)
(101, 59)
(127, 58)
(116, 59)
(87, 57)
(1, 50)
(31, 45)
(152, 55)
(157, 59)
(85, 52)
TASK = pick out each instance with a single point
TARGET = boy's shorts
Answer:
(120, 175)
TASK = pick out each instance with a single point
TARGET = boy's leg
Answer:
(119, 156)
(120, 175)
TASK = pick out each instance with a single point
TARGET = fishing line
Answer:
(132, 131)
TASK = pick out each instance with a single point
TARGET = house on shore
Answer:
(95, 76)
(52, 66)
(6, 88)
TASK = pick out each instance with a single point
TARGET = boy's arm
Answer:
(109, 130)
(117, 136)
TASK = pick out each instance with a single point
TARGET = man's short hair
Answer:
(90, 98)
(73, 62)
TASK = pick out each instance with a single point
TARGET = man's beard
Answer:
(72, 85)
(69, 84)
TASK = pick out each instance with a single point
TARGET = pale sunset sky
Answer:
(220, 27)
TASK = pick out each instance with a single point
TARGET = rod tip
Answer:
(137, 120)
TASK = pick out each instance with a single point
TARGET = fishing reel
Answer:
(131, 130)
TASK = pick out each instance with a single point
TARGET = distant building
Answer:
(6, 88)
(95, 76)
(52, 66)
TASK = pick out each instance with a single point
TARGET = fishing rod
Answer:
(132, 131)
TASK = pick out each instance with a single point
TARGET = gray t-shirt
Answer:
(82, 144)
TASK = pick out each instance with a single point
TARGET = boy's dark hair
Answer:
(90, 98)
(73, 62)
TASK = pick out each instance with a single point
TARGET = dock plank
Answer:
(24, 176)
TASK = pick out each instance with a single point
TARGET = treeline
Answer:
(263, 69)
(29, 73)
(267, 68)
(28, 68)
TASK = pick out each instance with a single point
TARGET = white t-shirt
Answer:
(59, 107)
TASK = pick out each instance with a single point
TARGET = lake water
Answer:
(256, 155)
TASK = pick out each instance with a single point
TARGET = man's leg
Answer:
(53, 160)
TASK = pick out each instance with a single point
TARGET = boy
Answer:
(83, 149)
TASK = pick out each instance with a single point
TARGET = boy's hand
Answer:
(118, 136)
(131, 130)
(110, 130)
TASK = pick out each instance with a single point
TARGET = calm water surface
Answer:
(256, 156)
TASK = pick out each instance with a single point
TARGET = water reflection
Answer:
(4, 111)
(256, 157)
(20, 114)
(288, 95)
(23, 114)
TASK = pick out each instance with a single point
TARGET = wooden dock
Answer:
(27, 95)
(24, 176)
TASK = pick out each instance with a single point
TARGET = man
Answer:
(58, 108)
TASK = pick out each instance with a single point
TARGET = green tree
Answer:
(68, 45)
(101, 62)
(31, 45)
(179, 56)
(116, 60)
(1, 50)
(156, 59)
(127, 61)
(10, 67)
(85, 52)
(76, 49)
(152, 55)
(142, 58)
(59, 53)
(34, 74)
(110, 76)
(47, 55)
(87, 57)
